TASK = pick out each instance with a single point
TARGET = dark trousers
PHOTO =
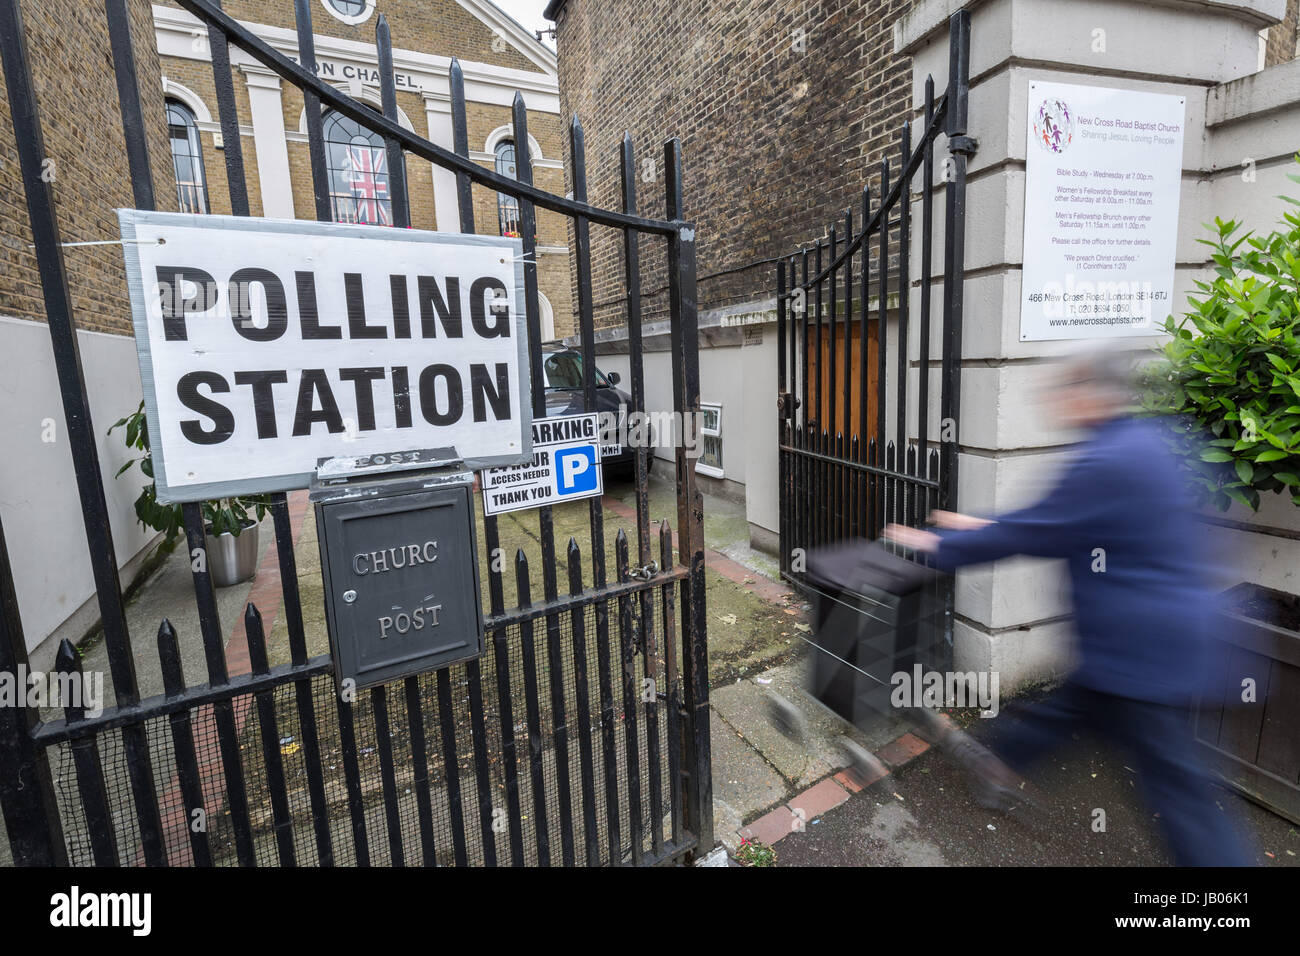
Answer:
(1159, 738)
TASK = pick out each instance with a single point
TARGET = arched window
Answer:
(507, 206)
(358, 172)
(187, 158)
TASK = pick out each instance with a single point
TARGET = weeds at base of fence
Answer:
(755, 853)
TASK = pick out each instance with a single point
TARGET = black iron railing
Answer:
(847, 466)
(609, 767)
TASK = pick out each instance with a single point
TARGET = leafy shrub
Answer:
(1233, 377)
(224, 515)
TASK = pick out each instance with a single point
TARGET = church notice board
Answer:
(267, 345)
(1103, 169)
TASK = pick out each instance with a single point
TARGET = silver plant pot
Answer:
(232, 559)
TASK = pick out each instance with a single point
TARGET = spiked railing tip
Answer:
(66, 661)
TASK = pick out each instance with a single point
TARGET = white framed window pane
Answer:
(187, 158)
(711, 451)
(357, 163)
(710, 460)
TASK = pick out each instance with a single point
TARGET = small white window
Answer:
(710, 460)
(350, 11)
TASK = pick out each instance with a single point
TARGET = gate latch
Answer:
(644, 573)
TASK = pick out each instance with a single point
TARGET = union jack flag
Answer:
(365, 172)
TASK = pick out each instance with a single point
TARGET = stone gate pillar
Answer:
(1012, 617)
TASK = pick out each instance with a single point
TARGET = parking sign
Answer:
(576, 470)
(565, 467)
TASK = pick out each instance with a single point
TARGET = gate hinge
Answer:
(785, 405)
(964, 144)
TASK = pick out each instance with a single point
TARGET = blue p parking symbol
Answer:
(575, 470)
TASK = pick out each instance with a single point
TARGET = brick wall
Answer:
(784, 109)
(1281, 44)
(442, 26)
(77, 94)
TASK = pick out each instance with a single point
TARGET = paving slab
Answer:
(745, 706)
(726, 526)
(743, 782)
(169, 593)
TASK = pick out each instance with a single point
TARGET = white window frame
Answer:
(700, 467)
(546, 315)
(353, 20)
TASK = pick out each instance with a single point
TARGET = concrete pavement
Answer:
(920, 813)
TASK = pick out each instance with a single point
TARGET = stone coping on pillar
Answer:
(1269, 90)
(913, 29)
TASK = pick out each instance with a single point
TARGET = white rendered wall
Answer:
(39, 503)
(742, 378)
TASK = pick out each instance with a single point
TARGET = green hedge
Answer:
(1232, 368)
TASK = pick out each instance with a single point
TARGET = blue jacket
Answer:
(1144, 622)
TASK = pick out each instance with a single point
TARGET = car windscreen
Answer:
(564, 370)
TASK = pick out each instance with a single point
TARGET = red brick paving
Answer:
(757, 584)
(853, 782)
(900, 751)
(817, 799)
(770, 827)
(832, 791)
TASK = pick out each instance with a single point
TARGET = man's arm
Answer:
(1034, 531)
(1046, 529)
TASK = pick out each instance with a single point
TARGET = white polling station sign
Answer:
(565, 467)
(266, 345)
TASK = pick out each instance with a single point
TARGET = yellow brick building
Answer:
(87, 172)
(497, 57)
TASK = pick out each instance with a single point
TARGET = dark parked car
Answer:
(562, 371)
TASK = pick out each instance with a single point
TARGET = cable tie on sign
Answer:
(108, 242)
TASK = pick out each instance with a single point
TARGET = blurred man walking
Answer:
(1122, 519)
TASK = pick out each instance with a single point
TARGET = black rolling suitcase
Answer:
(874, 614)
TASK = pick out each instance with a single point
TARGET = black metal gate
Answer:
(856, 454)
(526, 756)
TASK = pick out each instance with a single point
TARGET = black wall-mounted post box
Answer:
(399, 560)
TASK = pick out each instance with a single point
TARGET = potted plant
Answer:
(1231, 375)
(231, 525)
